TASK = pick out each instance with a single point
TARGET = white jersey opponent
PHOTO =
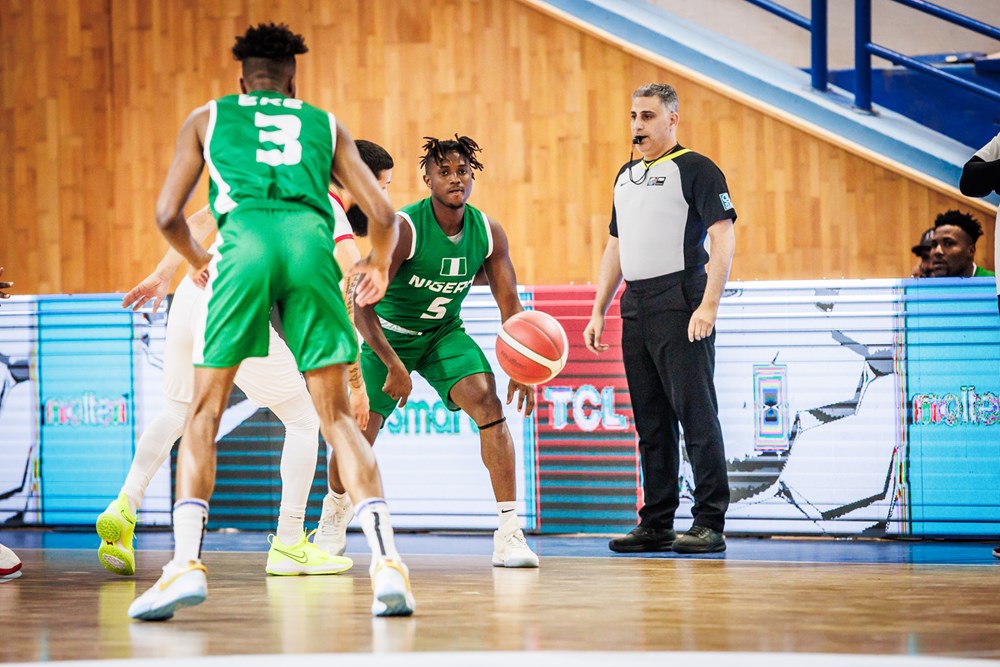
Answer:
(267, 381)
(272, 381)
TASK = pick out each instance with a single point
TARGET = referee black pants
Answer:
(671, 381)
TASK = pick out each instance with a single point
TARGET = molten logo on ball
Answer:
(532, 347)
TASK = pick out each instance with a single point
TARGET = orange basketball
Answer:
(532, 347)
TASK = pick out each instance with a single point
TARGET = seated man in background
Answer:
(953, 247)
(923, 251)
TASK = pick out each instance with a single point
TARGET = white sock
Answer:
(190, 517)
(373, 514)
(153, 449)
(299, 456)
(507, 511)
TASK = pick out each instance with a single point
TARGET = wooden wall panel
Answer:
(55, 196)
(92, 114)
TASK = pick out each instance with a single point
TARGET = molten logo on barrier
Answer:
(965, 407)
(87, 410)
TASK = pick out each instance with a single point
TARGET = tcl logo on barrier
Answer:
(591, 408)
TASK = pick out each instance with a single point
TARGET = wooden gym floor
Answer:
(761, 597)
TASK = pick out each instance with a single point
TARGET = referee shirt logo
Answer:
(659, 180)
(727, 203)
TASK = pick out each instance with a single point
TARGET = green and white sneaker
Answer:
(303, 557)
(116, 528)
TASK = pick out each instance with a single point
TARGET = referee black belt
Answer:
(666, 280)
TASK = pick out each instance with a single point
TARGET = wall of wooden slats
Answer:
(94, 91)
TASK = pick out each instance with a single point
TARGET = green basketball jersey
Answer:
(265, 146)
(431, 284)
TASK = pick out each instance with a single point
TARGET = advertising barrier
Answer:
(848, 408)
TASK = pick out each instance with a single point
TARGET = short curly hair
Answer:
(270, 41)
(964, 221)
(268, 50)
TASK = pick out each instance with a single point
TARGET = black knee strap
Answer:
(492, 424)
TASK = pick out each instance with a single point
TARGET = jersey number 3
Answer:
(284, 131)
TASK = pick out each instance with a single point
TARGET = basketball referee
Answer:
(665, 205)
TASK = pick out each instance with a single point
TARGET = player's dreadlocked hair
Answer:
(435, 151)
(269, 51)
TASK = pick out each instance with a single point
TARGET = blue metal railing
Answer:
(864, 49)
(816, 25)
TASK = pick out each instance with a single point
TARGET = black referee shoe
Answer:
(700, 540)
(641, 539)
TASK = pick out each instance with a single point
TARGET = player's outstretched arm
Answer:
(609, 277)
(180, 182)
(347, 255)
(503, 283)
(360, 405)
(155, 285)
(349, 169)
(397, 383)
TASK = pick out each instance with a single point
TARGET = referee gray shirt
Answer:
(662, 212)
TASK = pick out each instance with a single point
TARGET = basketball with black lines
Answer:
(532, 347)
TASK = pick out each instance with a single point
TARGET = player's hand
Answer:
(154, 286)
(525, 396)
(373, 281)
(360, 407)
(199, 270)
(592, 335)
(3, 286)
(702, 322)
(398, 384)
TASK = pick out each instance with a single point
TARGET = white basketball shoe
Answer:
(180, 585)
(391, 586)
(511, 550)
(331, 536)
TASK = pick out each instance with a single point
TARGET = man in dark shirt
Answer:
(666, 206)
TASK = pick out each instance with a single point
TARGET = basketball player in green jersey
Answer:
(443, 243)
(270, 158)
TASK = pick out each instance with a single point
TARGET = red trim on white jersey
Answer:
(344, 233)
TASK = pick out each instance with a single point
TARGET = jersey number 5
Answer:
(436, 310)
(283, 130)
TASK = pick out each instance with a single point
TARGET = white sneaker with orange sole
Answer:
(179, 586)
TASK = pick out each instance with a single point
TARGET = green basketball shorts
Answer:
(442, 356)
(274, 253)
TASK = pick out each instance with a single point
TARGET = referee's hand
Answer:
(702, 322)
(592, 335)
